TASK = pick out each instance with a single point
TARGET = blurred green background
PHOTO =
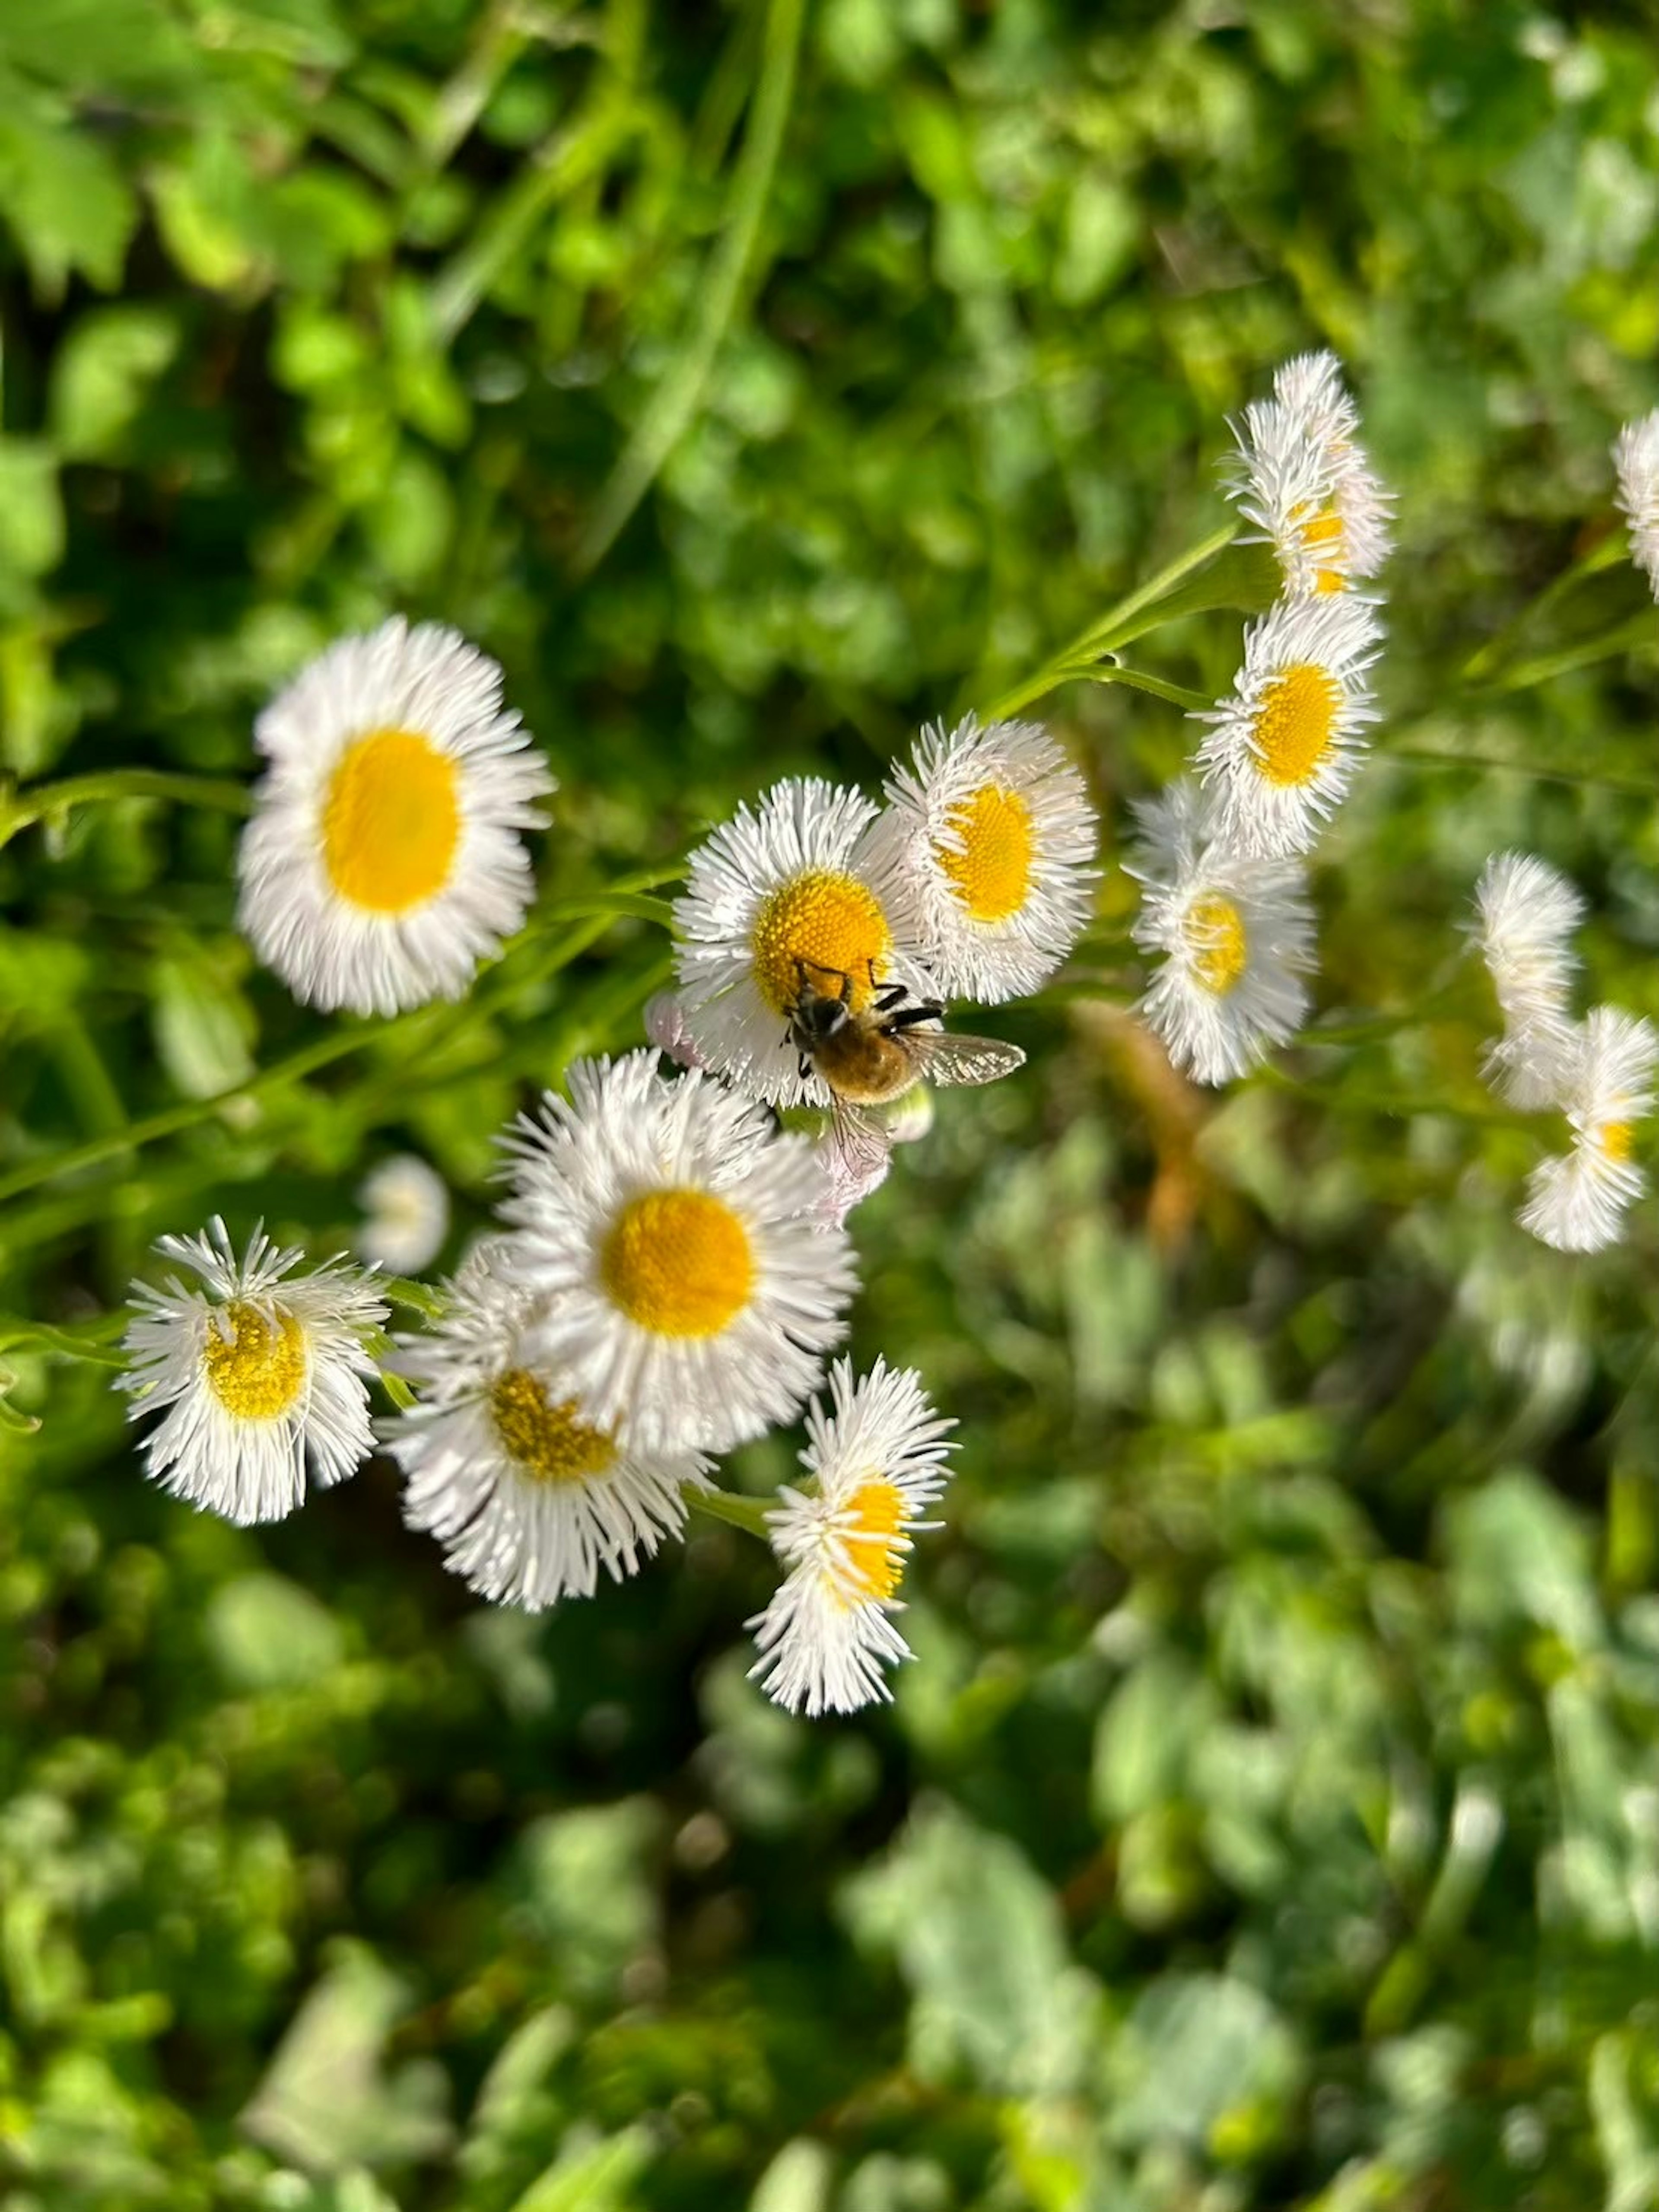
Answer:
(1271, 1815)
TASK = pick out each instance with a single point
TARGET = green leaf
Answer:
(71, 209)
(102, 375)
(31, 507)
(1202, 2058)
(204, 1026)
(327, 2100)
(265, 1632)
(977, 1936)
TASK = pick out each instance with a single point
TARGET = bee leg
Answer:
(907, 1016)
(894, 995)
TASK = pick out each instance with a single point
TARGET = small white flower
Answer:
(879, 1458)
(1578, 1202)
(529, 1497)
(1280, 753)
(1237, 937)
(1526, 914)
(261, 1371)
(670, 1225)
(911, 1119)
(407, 1204)
(791, 883)
(1302, 477)
(384, 861)
(1636, 458)
(988, 846)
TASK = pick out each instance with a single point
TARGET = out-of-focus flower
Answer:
(1577, 1201)
(1526, 914)
(406, 1208)
(1636, 460)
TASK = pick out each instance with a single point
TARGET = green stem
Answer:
(88, 1341)
(1607, 553)
(1138, 679)
(593, 911)
(674, 402)
(173, 1120)
(1116, 627)
(1435, 757)
(1624, 637)
(21, 810)
(748, 1514)
(419, 1297)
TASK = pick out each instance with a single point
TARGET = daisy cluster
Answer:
(670, 1267)
(1598, 1071)
(1221, 855)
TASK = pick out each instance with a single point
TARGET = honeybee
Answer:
(869, 1056)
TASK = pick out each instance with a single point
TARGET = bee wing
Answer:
(947, 1057)
(861, 1137)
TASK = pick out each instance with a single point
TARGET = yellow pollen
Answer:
(1214, 930)
(257, 1369)
(877, 1509)
(678, 1263)
(1295, 722)
(392, 821)
(832, 922)
(547, 1442)
(1615, 1140)
(992, 873)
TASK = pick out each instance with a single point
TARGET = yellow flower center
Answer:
(678, 1263)
(832, 922)
(547, 1442)
(1295, 722)
(392, 821)
(1615, 1140)
(1214, 930)
(992, 873)
(876, 1510)
(1323, 533)
(256, 1368)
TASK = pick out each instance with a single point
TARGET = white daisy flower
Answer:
(989, 846)
(1578, 1202)
(406, 1203)
(1636, 460)
(787, 889)
(1237, 937)
(670, 1224)
(384, 861)
(1526, 914)
(529, 1497)
(1280, 753)
(260, 1370)
(878, 1460)
(1302, 477)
